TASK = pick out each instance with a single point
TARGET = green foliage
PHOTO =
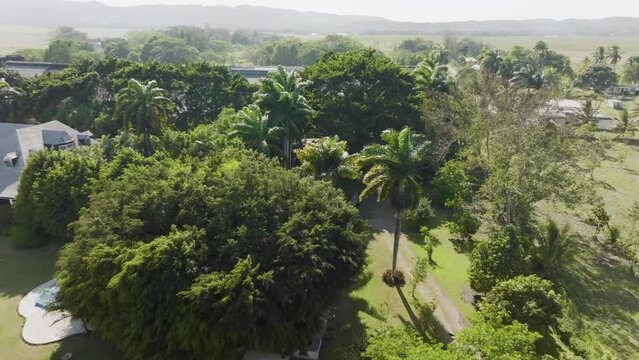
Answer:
(597, 77)
(254, 130)
(451, 185)
(555, 247)
(229, 247)
(526, 299)
(418, 215)
(326, 158)
(54, 186)
(359, 94)
(168, 50)
(499, 258)
(465, 224)
(401, 344)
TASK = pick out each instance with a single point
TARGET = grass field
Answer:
(604, 293)
(20, 272)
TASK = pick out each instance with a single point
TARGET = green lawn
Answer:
(605, 294)
(20, 272)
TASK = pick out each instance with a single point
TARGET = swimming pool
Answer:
(47, 295)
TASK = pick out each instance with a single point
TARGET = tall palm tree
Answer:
(625, 124)
(280, 95)
(432, 76)
(7, 96)
(614, 56)
(599, 56)
(255, 131)
(541, 50)
(555, 246)
(393, 172)
(145, 107)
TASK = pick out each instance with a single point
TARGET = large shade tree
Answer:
(280, 96)
(144, 107)
(393, 172)
(208, 258)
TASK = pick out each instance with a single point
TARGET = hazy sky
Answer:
(439, 10)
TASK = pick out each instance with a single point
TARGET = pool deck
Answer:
(44, 327)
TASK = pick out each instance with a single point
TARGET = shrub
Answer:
(394, 278)
(452, 184)
(418, 216)
(465, 225)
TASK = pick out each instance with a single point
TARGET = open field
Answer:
(15, 37)
(605, 294)
(20, 272)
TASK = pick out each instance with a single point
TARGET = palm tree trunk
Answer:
(398, 230)
(147, 144)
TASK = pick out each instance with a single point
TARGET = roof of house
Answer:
(31, 69)
(23, 140)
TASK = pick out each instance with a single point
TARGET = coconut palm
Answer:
(280, 95)
(528, 78)
(540, 50)
(588, 112)
(490, 61)
(393, 172)
(625, 124)
(326, 158)
(599, 56)
(145, 108)
(255, 131)
(432, 76)
(614, 56)
(555, 246)
(7, 97)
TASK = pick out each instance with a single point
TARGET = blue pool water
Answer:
(47, 295)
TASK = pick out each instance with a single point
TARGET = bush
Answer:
(465, 225)
(452, 184)
(419, 215)
(526, 299)
(394, 278)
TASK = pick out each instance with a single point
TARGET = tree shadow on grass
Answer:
(23, 270)
(462, 246)
(602, 288)
(424, 320)
(87, 347)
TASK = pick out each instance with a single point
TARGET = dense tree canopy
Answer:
(358, 95)
(207, 259)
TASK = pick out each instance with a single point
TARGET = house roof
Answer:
(23, 140)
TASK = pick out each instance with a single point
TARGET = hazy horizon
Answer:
(419, 11)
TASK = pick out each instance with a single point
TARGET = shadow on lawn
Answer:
(85, 347)
(424, 321)
(23, 270)
(602, 288)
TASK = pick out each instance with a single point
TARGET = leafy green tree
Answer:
(311, 51)
(625, 125)
(8, 96)
(280, 95)
(452, 184)
(169, 50)
(359, 94)
(183, 253)
(499, 258)
(555, 246)
(614, 56)
(403, 344)
(119, 48)
(526, 299)
(255, 131)
(597, 77)
(630, 72)
(326, 158)
(281, 52)
(54, 186)
(393, 173)
(145, 107)
(61, 51)
(69, 33)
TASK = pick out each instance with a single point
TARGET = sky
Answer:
(436, 11)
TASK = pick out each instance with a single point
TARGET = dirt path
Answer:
(381, 219)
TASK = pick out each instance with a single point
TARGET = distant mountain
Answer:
(97, 15)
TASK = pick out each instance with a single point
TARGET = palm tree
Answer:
(635, 110)
(432, 76)
(540, 50)
(625, 124)
(394, 173)
(599, 56)
(280, 95)
(490, 61)
(588, 112)
(144, 106)
(7, 97)
(555, 246)
(614, 56)
(255, 131)
(326, 158)
(528, 78)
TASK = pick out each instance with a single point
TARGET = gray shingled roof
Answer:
(24, 139)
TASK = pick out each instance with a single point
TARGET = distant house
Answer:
(563, 112)
(19, 141)
(29, 69)
(623, 90)
(615, 104)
